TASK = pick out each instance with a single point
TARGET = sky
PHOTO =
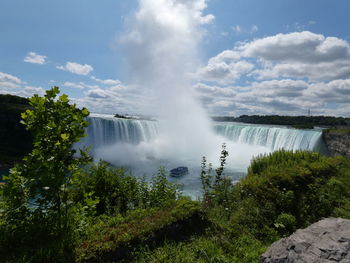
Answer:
(284, 57)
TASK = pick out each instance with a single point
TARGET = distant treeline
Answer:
(15, 140)
(295, 121)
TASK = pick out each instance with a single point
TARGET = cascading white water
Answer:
(273, 138)
(105, 130)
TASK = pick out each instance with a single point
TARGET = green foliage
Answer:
(118, 192)
(216, 189)
(115, 235)
(211, 247)
(39, 217)
(162, 192)
(57, 207)
(284, 191)
(338, 131)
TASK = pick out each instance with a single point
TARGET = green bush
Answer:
(285, 190)
(116, 191)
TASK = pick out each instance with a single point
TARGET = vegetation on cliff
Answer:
(58, 207)
(15, 140)
(304, 122)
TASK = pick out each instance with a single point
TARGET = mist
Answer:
(161, 47)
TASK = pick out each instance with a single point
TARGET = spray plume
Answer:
(160, 47)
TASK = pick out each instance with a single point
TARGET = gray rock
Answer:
(327, 240)
(337, 143)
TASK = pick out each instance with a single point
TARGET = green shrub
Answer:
(116, 191)
(285, 190)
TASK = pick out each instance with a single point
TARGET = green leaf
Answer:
(65, 136)
(85, 112)
(64, 98)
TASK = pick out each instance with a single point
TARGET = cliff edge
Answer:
(337, 142)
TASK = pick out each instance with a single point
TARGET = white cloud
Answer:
(245, 30)
(110, 82)
(7, 78)
(97, 93)
(223, 73)
(225, 68)
(76, 68)
(35, 58)
(286, 96)
(29, 91)
(300, 55)
(305, 47)
(74, 85)
(10, 84)
(237, 28)
(315, 72)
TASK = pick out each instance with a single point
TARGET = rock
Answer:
(337, 143)
(327, 240)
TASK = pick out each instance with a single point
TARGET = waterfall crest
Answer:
(271, 137)
(105, 130)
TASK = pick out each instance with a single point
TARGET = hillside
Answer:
(15, 141)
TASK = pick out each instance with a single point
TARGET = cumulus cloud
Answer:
(304, 47)
(299, 55)
(336, 91)
(225, 68)
(286, 74)
(314, 72)
(74, 85)
(224, 73)
(8, 78)
(10, 84)
(110, 82)
(285, 96)
(76, 68)
(35, 58)
(97, 93)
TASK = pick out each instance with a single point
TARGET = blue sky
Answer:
(282, 57)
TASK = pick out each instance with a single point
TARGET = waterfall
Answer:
(106, 130)
(271, 137)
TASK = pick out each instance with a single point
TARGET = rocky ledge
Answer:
(337, 143)
(327, 240)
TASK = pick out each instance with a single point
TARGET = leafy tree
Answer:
(38, 212)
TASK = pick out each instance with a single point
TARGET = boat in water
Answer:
(179, 171)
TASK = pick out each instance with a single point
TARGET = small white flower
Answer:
(46, 188)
